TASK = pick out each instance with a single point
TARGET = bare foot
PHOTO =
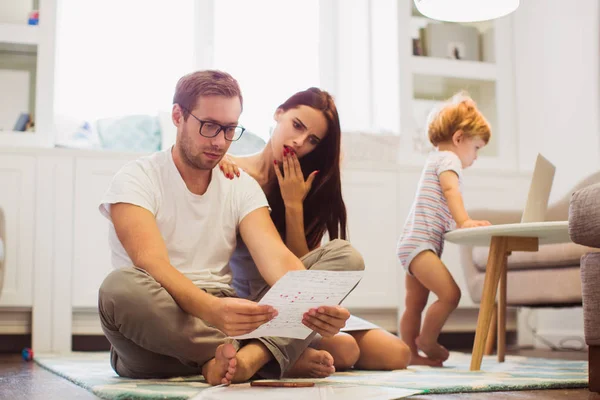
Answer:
(221, 369)
(433, 350)
(418, 360)
(312, 364)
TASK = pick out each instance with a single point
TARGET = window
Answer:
(272, 48)
(119, 58)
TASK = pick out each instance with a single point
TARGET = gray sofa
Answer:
(584, 229)
(2, 249)
(548, 277)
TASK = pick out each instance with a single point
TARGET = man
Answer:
(168, 308)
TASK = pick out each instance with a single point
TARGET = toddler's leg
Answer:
(410, 323)
(433, 275)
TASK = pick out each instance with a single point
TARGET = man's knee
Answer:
(120, 283)
(353, 260)
(122, 287)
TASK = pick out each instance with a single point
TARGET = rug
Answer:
(93, 372)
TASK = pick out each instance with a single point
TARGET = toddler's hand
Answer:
(470, 223)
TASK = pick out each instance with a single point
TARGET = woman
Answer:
(299, 170)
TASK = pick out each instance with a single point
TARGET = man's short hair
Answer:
(204, 83)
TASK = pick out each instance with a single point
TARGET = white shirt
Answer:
(199, 230)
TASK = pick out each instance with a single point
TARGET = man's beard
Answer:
(196, 161)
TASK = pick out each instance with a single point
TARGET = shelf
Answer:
(10, 139)
(460, 69)
(20, 34)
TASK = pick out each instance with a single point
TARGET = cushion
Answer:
(584, 216)
(130, 133)
(168, 130)
(558, 255)
(249, 143)
(536, 287)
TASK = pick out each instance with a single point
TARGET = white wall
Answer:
(556, 56)
(556, 46)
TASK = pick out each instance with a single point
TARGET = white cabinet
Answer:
(370, 198)
(91, 253)
(17, 193)
(51, 317)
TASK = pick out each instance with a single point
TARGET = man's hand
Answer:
(238, 316)
(326, 320)
(470, 223)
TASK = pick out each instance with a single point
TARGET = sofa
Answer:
(2, 250)
(584, 229)
(548, 277)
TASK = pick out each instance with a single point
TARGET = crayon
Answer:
(282, 384)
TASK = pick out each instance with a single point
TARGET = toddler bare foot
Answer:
(221, 369)
(433, 350)
(312, 364)
(419, 360)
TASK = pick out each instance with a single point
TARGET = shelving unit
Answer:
(425, 81)
(19, 34)
(446, 68)
(31, 48)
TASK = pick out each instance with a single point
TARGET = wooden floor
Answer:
(27, 380)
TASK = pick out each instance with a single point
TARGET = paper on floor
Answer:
(298, 291)
(336, 392)
(358, 324)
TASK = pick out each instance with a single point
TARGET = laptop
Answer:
(539, 191)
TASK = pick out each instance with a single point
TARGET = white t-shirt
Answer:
(199, 230)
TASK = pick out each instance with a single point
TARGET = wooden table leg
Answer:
(502, 311)
(498, 249)
(496, 267)
(489, 343)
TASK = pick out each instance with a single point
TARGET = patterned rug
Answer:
(93, 372)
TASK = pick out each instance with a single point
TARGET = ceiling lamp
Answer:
(465, 10)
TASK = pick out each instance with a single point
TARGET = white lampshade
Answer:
(465, 10)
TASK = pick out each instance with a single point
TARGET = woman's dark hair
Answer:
(324, 208)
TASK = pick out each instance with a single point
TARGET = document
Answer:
(297, 292)
(358, 324)
(325, 392)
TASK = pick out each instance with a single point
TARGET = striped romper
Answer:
(429, 217)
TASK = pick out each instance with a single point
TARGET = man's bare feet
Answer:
(312, 364)
(221, 369)
(433, 350)
(419, 360)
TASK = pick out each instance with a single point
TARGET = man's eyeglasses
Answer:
(210, 129)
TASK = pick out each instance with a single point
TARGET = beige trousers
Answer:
(152, 337)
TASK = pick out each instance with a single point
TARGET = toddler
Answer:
(458, 130)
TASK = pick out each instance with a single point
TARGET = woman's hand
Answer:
(326, 320)
(291, 182)
(229, 167)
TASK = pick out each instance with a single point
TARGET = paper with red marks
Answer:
(296, 293)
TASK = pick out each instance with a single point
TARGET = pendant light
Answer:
(466, 10)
